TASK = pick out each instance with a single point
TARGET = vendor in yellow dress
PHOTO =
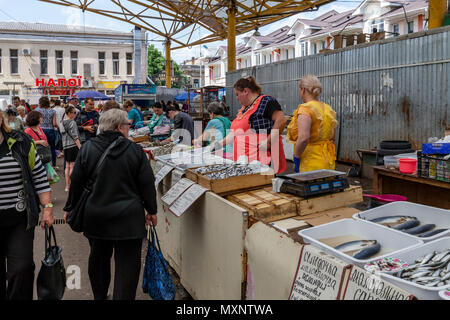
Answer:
(313, 129)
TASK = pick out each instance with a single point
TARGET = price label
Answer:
(187, 199)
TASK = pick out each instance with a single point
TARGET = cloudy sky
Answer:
(35, 11)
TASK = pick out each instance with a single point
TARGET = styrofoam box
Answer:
(425, 214)
(389, 238)
(409, 256)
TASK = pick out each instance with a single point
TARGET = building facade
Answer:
(371, 20)
(58, 60)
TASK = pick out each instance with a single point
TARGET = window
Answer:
(410, 26)
(74, 62)
(293, 52)
(258, 59)
(59, 62)
(217, 72)
(377, 26)
(395, 30)
(101, 63)
(314, 48)
(129, 63)
(196, 83)
(0, 61)
(115, 63)
(44, 61)
(304, 48)
(264, 59)
(14, 55)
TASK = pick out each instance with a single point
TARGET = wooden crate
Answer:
(265, 205)
(141, 139)
(235, 183)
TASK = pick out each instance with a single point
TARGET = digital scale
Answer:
(312, 183)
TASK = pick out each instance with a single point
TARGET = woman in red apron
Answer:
(256, 131)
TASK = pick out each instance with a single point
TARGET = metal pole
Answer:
(232, 36)
(168, 65)
(436, 11)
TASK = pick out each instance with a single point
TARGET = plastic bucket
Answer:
(407, 165)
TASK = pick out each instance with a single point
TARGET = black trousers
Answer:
(127, 264)
(16, 262)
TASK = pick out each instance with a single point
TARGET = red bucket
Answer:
(407, 165)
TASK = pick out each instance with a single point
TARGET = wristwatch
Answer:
(48, 205)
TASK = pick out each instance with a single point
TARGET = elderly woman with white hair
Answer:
(22, 114)
(114, 219)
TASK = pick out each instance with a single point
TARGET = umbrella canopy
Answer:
(91, 94)
(184, 96)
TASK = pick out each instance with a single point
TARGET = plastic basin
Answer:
(407, 165)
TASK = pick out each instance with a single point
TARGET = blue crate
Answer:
(436, 148)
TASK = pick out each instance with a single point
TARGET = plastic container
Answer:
(390, 162)
(425, 214)
(394, 240)
(445, 294)
(407, 165)
(386, 198)
(436, 148)
(406, 155)
(410, 255)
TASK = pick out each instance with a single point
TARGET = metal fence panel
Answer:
(394, 89)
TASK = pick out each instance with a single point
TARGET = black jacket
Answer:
(82, 118)
(124, 187)
(23, 150)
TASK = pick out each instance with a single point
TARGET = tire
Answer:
(395, 145)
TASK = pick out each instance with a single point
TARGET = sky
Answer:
(35, 11)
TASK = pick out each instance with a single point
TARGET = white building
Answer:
(330, 30)
(39, 59)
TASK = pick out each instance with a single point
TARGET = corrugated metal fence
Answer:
(390, 89)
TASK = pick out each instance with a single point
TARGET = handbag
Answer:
(51, 281)
(157, 281)
(44, 152)
(75, 219)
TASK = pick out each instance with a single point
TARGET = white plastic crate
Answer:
(425, 214)
(392, 239)
(409, 256)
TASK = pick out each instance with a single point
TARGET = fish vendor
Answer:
(256, 131)
(312, 129)
(159, 124)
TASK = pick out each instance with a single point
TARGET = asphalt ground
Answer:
(75, 252)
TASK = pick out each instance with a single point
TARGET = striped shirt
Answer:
(12, 195)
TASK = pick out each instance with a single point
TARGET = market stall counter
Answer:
(203, 235)
(416, 189)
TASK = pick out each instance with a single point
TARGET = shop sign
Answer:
(319, 276)
(108, 84)
(57, 92)
(73, 82)
(133, 89)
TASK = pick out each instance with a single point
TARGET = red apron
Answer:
(246, 141)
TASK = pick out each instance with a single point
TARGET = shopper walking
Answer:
(313, 129)
(115, 217)
(48, 124)
(87, 121)
(71, 142)
(23, 186)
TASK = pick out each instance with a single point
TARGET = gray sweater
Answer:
(70, 134)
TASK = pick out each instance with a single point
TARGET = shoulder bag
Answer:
(75, 218)
(44, 152)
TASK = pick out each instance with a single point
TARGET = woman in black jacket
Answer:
(115, 210)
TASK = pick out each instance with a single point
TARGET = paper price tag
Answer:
(161, 174)
(187, 199)
(176, 191)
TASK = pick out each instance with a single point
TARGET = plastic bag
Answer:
(157, 281)
(52, 175)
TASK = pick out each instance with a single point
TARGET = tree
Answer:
(157, 65)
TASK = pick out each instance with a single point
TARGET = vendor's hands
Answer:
(151, 218)
(90, 129)
(47, 218)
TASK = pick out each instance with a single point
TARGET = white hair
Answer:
(111, 119)
(21, 108)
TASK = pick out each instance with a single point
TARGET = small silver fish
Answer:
(419, 274)
(432, 284)
(440, 256)
(360, 249)
(428, 258)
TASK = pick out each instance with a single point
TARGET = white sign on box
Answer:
(176, 191)
(162, 173)
(187, 199)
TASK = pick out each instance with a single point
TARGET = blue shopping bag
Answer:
(157, 281)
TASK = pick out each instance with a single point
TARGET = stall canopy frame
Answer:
(187, 23)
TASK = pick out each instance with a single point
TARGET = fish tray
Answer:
(425, 214)
(235, 183)
(394, 240)
(192, 175)
(410, 255)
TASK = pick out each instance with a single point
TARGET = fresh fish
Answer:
(407, 225)
(427, 279)
(419, 274)
(391, 221)
(446, 277)
(441, 284)
(431, 233)
(428, 258)
(432, 284)
(440, 256)
(419, 229)
(360, 249)
(436, 273)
